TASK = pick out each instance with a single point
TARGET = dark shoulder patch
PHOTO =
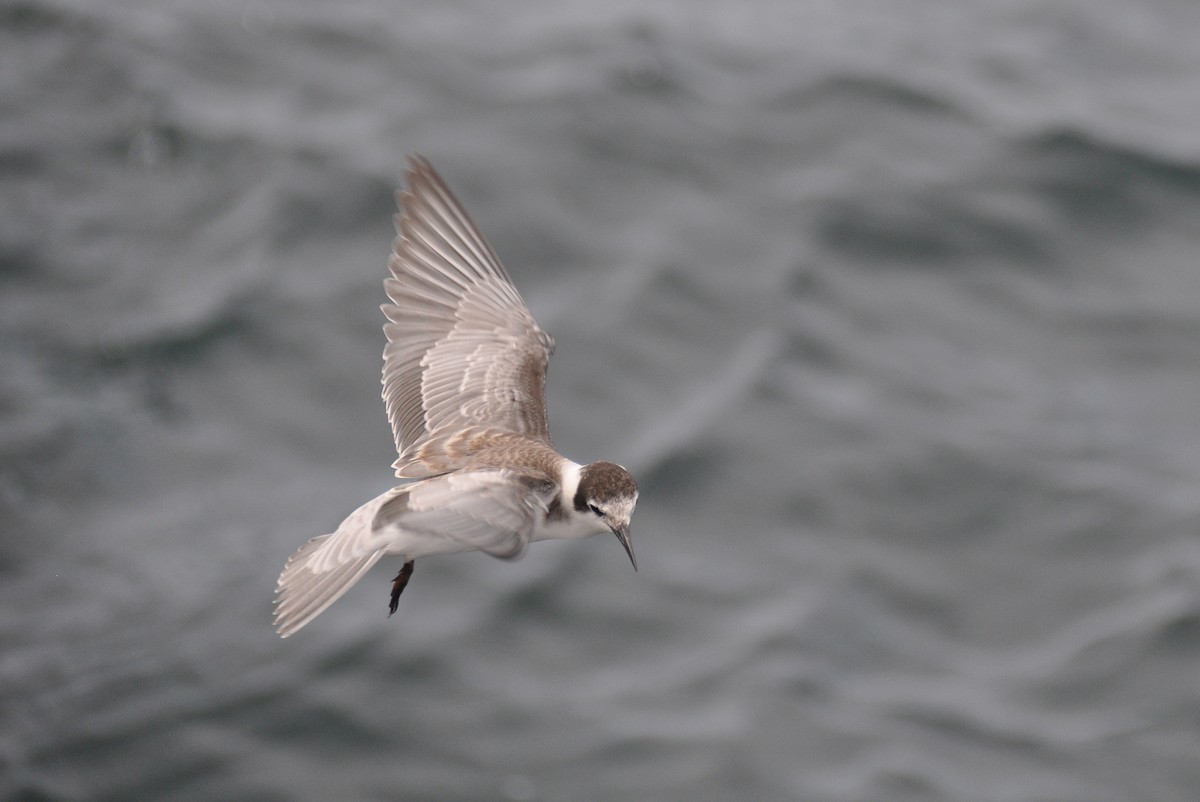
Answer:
(555, 510)
(548, 491)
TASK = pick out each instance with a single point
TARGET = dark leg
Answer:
(398, 585)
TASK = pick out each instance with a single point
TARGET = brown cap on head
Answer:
(603, 480)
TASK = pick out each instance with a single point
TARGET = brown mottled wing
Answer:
(463, 351)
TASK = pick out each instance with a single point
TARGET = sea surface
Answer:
(893, 309)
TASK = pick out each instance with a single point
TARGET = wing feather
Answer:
(493, 511)
(302, 593)
(463, 349)
(490, 511)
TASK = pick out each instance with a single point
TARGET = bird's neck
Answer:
(566, 522)
(569, 471)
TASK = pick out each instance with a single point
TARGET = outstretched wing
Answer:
(327, 566)
(490, 511)
(463, 350)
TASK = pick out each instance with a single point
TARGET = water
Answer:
(892, 309)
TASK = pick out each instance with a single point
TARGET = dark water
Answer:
(893, 308)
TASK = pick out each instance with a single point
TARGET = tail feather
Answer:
(303, 592)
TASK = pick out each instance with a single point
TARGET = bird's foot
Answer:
(398, 585)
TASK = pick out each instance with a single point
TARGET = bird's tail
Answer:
(324, 568)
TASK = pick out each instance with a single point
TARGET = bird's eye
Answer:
(595, 509)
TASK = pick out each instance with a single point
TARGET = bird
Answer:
(464, 372)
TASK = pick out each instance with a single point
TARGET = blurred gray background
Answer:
(892, 307)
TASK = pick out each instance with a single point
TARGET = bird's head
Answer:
(608, 492)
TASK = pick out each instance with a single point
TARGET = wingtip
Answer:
(418, 164)
(417, 171)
